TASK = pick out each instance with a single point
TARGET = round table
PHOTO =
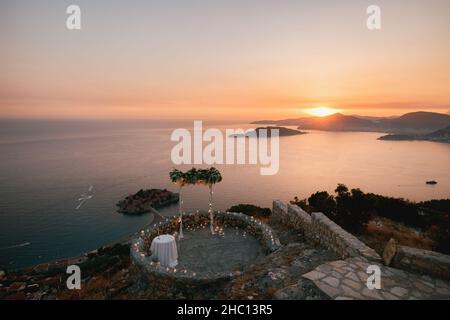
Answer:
(164, 248)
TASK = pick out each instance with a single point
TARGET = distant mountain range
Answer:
(442, 135)
(420, 122)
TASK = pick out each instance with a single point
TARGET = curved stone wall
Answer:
(162, 277)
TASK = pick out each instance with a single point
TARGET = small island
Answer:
(145, 201)
(282, 132)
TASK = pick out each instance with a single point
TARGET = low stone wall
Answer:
(164, 278)
(339, 240)
(279, 210)
(318, 228)
(292, 215)
(419, 260)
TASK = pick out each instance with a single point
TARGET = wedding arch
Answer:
(208, 177)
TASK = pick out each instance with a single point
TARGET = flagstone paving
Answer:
(347, 279)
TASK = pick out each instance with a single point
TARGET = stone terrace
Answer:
(347, 278)
(317, 260)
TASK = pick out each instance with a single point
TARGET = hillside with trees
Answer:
(354, 210)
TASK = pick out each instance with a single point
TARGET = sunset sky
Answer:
(227, 59)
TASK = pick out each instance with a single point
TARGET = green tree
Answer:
(301, 203)
(352, 209)
(322, 202)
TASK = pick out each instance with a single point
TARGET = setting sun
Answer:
(321, 111)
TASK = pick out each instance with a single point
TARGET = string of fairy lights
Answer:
(219, 230)
(195, 176)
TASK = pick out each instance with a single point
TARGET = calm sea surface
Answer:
(46, 166)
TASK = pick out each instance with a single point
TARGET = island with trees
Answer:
(145, 201)
(282, 132)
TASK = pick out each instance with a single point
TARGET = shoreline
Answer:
(157, 217)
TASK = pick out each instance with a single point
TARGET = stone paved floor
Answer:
(279, 270)
(346, 279)
(279, 275)
(230, 251)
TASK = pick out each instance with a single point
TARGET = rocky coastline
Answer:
(442, 135)
(108, 273)
(310, 264)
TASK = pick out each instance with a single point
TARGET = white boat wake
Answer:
(17, 246)
(85, 197)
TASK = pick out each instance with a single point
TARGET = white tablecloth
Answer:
(164, 248)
